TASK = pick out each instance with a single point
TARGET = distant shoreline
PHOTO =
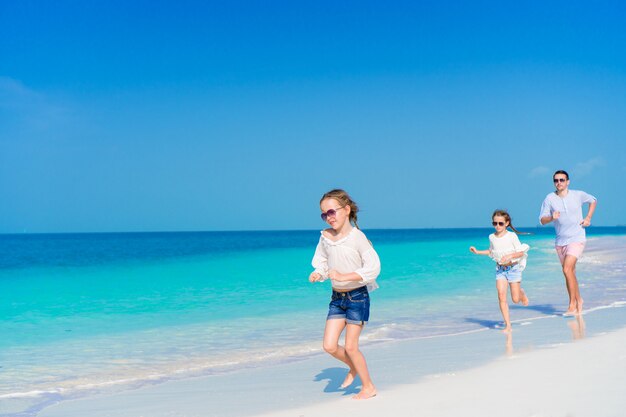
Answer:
(590, 230)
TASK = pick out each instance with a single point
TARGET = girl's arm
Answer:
(370, 262)
(519, 248)
(320, 263)
(366, 274)
(338, 276)
(509, 257)
(480, 252)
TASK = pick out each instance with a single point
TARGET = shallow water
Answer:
(84, 312)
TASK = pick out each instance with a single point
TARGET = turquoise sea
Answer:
(86, 313)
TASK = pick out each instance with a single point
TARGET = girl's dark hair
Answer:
(560, 171)
(507, 217)
(344, 199)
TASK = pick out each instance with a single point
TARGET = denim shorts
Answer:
(352, 306)
(510, 273)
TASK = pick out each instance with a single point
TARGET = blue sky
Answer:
(150, 116)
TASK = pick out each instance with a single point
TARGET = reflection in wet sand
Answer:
(577, 326)
(509, 344)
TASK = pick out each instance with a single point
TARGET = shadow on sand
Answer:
(490, 324)
(335, 377)
(547, 309)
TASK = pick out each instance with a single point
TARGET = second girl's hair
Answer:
(344, 199)
(507, 217)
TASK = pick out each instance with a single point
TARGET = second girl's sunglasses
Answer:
(330, 213)
(498, 223)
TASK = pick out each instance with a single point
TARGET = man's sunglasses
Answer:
(559, 180)
(330, 213)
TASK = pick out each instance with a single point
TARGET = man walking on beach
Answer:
(564, 208)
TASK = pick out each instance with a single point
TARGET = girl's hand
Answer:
(556, 215)
(315, 277)
(586, 222)
(472, 249)
(505, 260)
(337, 276)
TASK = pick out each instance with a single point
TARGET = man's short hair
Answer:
(560, 171)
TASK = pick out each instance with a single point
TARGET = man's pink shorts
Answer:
(573, 249)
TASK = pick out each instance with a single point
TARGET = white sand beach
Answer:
(550, 367)
(579, 379)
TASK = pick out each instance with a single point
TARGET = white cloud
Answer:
(14, 94)
(583, 169)
(8, 84)
(30, 109)
(538, 172)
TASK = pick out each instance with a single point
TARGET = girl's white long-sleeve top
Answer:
(353, 253)
(505, 245)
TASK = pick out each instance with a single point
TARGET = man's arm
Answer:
(548, 219)
(592, 208)
(545, 216)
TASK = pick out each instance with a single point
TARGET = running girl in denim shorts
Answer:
(344, 255)
(510, 256)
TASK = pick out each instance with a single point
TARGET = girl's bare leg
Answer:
(368, 390)
(333, 330)
(517, 293)
(502, 287)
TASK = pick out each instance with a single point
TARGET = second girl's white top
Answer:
(507, 244)
(352, 253)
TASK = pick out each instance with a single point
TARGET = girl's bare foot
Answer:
(570, 312)
(507, 329)
(348, 381)
(524, 299)
(365, 394)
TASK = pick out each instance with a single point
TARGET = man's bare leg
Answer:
(571, 282)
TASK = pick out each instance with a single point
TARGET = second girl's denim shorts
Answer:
(510, 273)
(353, 306)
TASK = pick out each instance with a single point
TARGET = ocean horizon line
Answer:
(154, 232)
